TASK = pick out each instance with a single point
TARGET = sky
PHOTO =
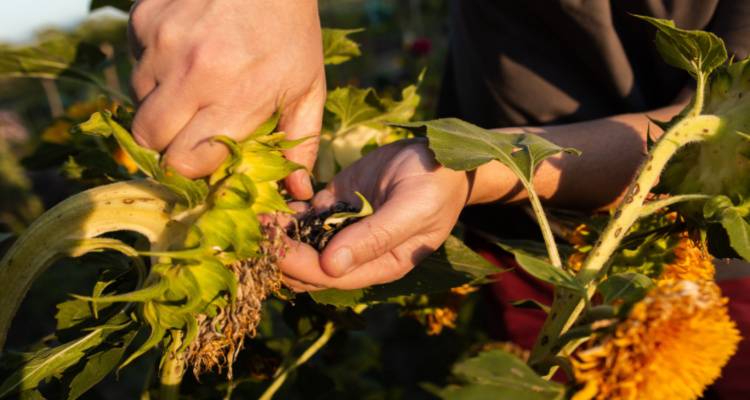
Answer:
(19, 19)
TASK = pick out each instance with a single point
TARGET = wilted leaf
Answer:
(499, 375)
(337, 47)
(192, 192)
(697, 52)
(454, 264)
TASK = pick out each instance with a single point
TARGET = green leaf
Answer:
(732, 219)
(192, 192)
(453, 265)
(544, 271)
(52, 361)
(531, 304)
(337, 47)
(462, 146)
(58, 56)
(235, 228)
(629, 287)
(72, 312)
(499, 375)
(354, 106)
(122, 5)
(150, 292)
(697, 52)
(98, 366)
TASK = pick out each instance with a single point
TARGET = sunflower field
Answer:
(126, 280)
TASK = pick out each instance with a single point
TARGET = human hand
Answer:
(222, 67)
(416, 202)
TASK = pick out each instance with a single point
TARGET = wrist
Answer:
(493, 182)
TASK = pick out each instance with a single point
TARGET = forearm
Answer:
(612, 149)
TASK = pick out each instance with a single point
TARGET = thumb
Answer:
(303, 119)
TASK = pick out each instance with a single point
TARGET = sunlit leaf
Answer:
(697, 52)
(337, 47)
(462, 146)
(192, 192)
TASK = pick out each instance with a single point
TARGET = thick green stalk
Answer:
(138, 206)
(568, 306)
(172, 370)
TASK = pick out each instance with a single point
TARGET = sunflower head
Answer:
(691, 262)
(673, 344)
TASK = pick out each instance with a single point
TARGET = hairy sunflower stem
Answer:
(549, 238)
(283, 372)
(567, 305)
(172, 370)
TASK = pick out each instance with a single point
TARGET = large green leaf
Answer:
(454, 264)
(53, 361)
(337, 47)
(98, 366)
(462, 146)
(697, 52)
(732, 219)
(499, 375)
(543, 270)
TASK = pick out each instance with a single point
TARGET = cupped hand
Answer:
(416, 202)
(222, 67)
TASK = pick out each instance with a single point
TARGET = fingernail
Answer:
(343, 259)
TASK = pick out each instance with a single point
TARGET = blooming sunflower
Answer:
(691, 262)
(673, 344)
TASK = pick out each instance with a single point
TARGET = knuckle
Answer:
(138, 18)
(166, 35)
(203, 59)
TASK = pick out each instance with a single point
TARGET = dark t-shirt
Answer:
(536, 62)
(540, 62)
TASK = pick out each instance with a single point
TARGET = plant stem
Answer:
(172, 370)
(283, 372)
(568, 306)
(549, 238)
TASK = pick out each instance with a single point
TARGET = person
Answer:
(583, 74)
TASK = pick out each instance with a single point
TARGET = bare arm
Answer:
(612, 149)
(417, 201)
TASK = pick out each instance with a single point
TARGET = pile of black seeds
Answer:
(310, 227)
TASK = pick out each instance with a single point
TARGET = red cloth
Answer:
(521, 326)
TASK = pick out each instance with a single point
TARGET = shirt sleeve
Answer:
(732, 23)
